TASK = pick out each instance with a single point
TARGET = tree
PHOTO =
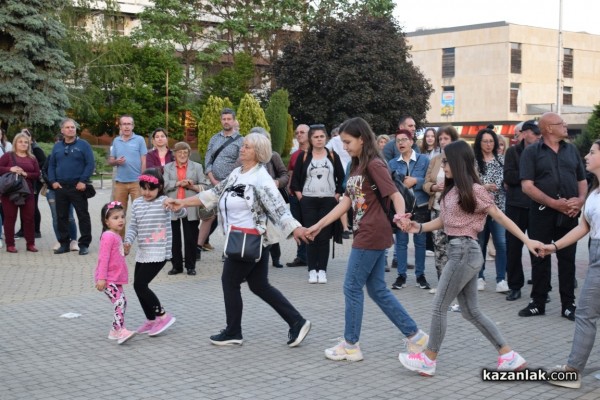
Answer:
(210, 122)
(277, 117)
(32, 66)
(250, 115)
(289, 137)
(363, 69)
(593, 124)
(233, 82)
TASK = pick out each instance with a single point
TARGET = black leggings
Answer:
(313, 209)
(143, 275)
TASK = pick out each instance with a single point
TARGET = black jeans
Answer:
(190, 238)
(297, 213)
(275, 251)
(144, 274)
(317, 251)
(542, 227)
(64, 198)
(256, 274)
(514, 247)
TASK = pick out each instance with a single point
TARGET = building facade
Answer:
(501, 73)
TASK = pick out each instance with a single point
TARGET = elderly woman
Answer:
(278, 171)
(22, 162)
(184, 178)
(160, 155)
(246, 199)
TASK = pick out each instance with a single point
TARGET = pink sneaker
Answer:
(147, 327)
(418, 363)
(125, 335)
(162, 324)
(113, 334)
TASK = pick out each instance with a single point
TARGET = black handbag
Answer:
(10, 182)
(243, 244)
(89, 191)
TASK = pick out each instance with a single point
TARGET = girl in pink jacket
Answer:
(111, 271)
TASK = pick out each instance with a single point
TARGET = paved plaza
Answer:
(45, 356)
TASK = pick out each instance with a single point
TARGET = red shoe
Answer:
(11, 249)
(31, 247)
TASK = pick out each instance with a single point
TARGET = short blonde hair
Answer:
(261, 145)
(182, 146)
(19, 136)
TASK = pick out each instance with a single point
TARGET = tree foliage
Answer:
(593, 124)
(250, 114)
(32, 64)
(277, 117)
(289, 137)
(359, 66)
(210, 122)
(232, 82)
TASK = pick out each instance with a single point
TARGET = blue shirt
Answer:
(71, 162)
(133, 150)
(416, 168)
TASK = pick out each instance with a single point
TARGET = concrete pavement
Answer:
(44, 356)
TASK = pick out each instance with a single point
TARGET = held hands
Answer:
(101, 285)
(535, 247)
(172, 204)
(313, 231)
(126, 248)
(300, 234)
(546, 250)
(403, 222)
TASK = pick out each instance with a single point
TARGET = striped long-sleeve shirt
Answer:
(151, 223)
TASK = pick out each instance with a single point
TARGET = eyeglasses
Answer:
(317, 126)
(444, 162)
(402, 140)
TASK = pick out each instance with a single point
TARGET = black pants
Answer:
(64, 198)
(190, 238)
(542, 227)
(144, 274)
(297, 213)
(317, 251)
(275, 251)
(256, 274)
(514, 247)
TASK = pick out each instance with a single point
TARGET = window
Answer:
(514, 97)
(448, 63)
(515, 58)
(568, 63)
(115, 23)
(567, 95)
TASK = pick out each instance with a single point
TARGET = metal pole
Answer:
(559, 61)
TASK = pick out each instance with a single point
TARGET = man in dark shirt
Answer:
(553, 176)
(390, 150)
(71, 166)
(517, 206)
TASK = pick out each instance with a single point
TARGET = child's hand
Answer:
(101, 285)
(126, 248)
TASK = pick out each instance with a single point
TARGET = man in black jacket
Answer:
(517, 206)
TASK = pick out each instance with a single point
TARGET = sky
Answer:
(577, 15)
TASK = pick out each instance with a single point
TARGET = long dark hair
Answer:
(479, 153)
(424, 149)
(311, 131)
(461, 159)
(595, 182)
(359, 128)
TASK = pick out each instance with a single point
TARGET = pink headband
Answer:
(148, 178)
(112, 205)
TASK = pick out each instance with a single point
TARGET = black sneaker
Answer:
(298, 332)
(297, 263)
(224, 339)
(422, 282)
(569, 312)
(532, 310)
(400, 282)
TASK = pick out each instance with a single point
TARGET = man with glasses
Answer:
(553, 176)
(517, 205)
(128, 154)
(70, 167)
(301, 134)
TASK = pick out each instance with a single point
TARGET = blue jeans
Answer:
(499, 237)
(588, 312)
(367, 267)
(51, 197)
(459, 281)
(402, 252)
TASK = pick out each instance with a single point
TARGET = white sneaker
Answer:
(433, 290)
(502, 287)
(322, 276)
(573, 384)
(480, 284)
(344, 351)
(1, 245)
(312, 276)
(56, 246)
(429, 253)
(417, 362)
(74, 246)
(515, 363)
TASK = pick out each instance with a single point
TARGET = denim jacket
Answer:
(267, 205)
(417, 166)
